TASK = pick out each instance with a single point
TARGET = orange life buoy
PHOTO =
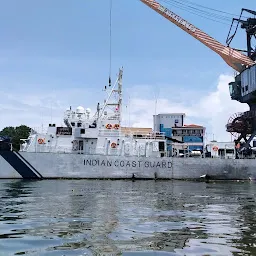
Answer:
(40, 141)
(113, 145)
(108, 126)
(116, 126)
(215, 148)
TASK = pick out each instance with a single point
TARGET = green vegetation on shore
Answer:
(16, 133)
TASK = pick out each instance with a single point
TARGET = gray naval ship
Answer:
(96, 146)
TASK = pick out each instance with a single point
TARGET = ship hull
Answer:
(69, 166)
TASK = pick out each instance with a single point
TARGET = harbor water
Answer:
(90, 217)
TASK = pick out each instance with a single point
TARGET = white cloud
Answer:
(220, 108)
(211, 109)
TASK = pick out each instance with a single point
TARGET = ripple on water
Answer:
(126, 218)
(149, 253)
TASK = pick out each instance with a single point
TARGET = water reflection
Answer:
(246, 221)
(129, 218)
(12, 194)
(15, 188)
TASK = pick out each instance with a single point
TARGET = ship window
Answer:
(79, 124)
(246, 87)
(161, 145)
(82, 131)
(73, 124)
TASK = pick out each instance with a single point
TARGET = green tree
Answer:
(16, 133)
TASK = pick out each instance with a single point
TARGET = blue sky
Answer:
(57, 53)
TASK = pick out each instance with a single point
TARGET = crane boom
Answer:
(232, 57)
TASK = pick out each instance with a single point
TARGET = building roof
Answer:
(137, 130)
(171, 114)
(187, 126)
(193, 125)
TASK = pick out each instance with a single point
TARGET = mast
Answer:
(119, 91)
(114, 98)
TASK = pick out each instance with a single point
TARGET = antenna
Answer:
(129, 111)
(156, 97)
(98, 110)
(110, 41)
(42, 120)
(155, 105)
(51, 111)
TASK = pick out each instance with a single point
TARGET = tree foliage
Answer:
(16, 133)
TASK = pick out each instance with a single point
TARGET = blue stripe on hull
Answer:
(29, 165)
(25, 170)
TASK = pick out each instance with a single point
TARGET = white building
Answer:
(185, 138)
(167, 121)
(221, 149)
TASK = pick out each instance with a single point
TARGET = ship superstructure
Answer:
(99, 134)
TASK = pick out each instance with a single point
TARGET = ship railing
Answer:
(62, 150)
(111, 117)
(146, 135)
(142, 134)
(59, 149)
(187, 134)
(110, 133)
(131, 133)
(51, 149)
